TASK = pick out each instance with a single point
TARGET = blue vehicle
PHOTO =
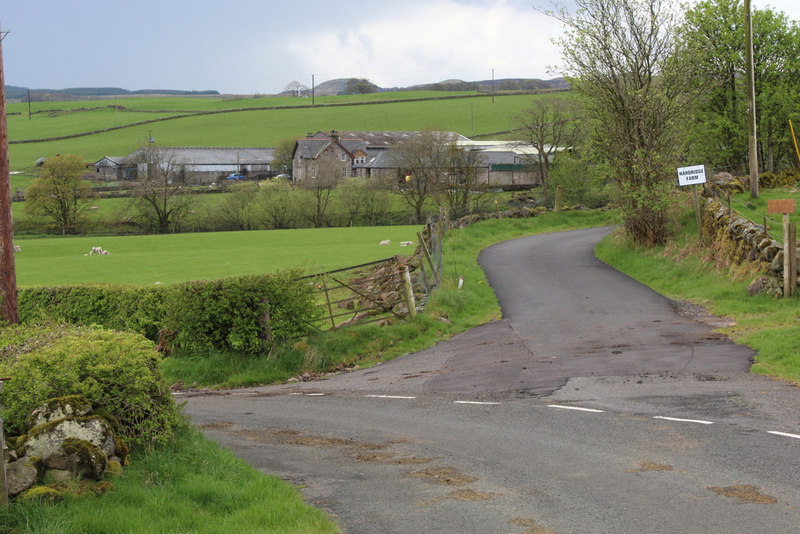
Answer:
(235, 176)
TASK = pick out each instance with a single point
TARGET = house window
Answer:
(344, 157)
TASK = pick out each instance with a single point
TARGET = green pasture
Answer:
(756, 209)
(469, 116)
(146, 260)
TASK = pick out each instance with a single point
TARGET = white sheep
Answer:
(385, 242)
(17, 248)
(406, 243)
(98, 250)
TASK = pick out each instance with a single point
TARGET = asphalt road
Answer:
(593, 406)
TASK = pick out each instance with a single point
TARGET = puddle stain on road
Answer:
(532, 526)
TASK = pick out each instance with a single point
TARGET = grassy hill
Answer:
(118, 127)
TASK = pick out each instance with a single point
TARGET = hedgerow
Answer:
(247, 313)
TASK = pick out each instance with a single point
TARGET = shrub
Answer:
(117, 371)
(784, 178)
(247, 313)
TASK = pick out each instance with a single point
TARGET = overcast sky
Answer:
(246, 47)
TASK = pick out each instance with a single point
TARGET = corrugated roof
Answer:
(216, 155)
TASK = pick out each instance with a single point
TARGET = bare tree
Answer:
(420, 161)
(549, 125)
(328, 171)
(458, 187)
(362, 199)
(160, 199)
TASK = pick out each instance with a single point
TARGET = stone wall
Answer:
(741, 239)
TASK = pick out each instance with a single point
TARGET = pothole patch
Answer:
(651, 466)
(216, 426)
(532, 526)
(469, 495)
(745, 493)
(447, 476)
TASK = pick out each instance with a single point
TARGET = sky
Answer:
(259, 47)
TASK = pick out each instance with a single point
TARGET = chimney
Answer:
(334, 135)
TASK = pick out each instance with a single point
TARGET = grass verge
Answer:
(448, 312)
(683, 270)
(190, 486)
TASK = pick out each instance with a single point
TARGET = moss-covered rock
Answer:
(58, 408)
(42, 493)
(47, 439)
(83, 458)
(113, 468)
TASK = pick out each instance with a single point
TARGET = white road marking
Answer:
(576, 408)
(477, 402)
(784, 434)
(698, 421)
(389, 397)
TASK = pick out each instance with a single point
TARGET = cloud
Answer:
(438, 40)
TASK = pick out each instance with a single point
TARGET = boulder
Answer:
(48, 439)
(59, 408)
(764, 284)
(80, 457)
(20, 476)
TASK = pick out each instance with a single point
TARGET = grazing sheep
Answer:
(17, 248)
(385, 242)
(406, 243)
(98, 250)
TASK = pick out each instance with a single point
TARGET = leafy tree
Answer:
(282, 157)
(362, 200)
(279, 203)
(714, 35)
(60, 193)
(159, 198)
(622, 57)
(548, 125)
(360, 86)
(238, 208)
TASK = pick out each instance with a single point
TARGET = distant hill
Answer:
(14, 93)
(339, 85)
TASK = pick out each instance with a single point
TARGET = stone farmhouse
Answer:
(372, 155)
(203, 165)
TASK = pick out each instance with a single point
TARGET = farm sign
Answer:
(692, 175)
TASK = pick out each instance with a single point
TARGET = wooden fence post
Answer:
(409, 290)
(3, 481)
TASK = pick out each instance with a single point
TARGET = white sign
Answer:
(692, 175)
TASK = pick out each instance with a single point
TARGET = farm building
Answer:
(200, 165)
(371, 155)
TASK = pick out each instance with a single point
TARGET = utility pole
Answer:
(492, 86)
(8, 274)
(752, 139)
(313, 88)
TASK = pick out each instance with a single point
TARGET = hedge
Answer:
(248, 313)
(116, 371)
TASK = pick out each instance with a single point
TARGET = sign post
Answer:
(694, 175)
(786, 207)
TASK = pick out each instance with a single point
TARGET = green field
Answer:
(145, 260)
(467, 114)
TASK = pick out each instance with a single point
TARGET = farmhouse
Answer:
(201, 165)
(373, 155)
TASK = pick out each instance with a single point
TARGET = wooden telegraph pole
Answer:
(8, 274)
(752, 136)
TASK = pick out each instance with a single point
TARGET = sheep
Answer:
(406, 243)
(385, 242)
(17, 248)
(98, 250)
